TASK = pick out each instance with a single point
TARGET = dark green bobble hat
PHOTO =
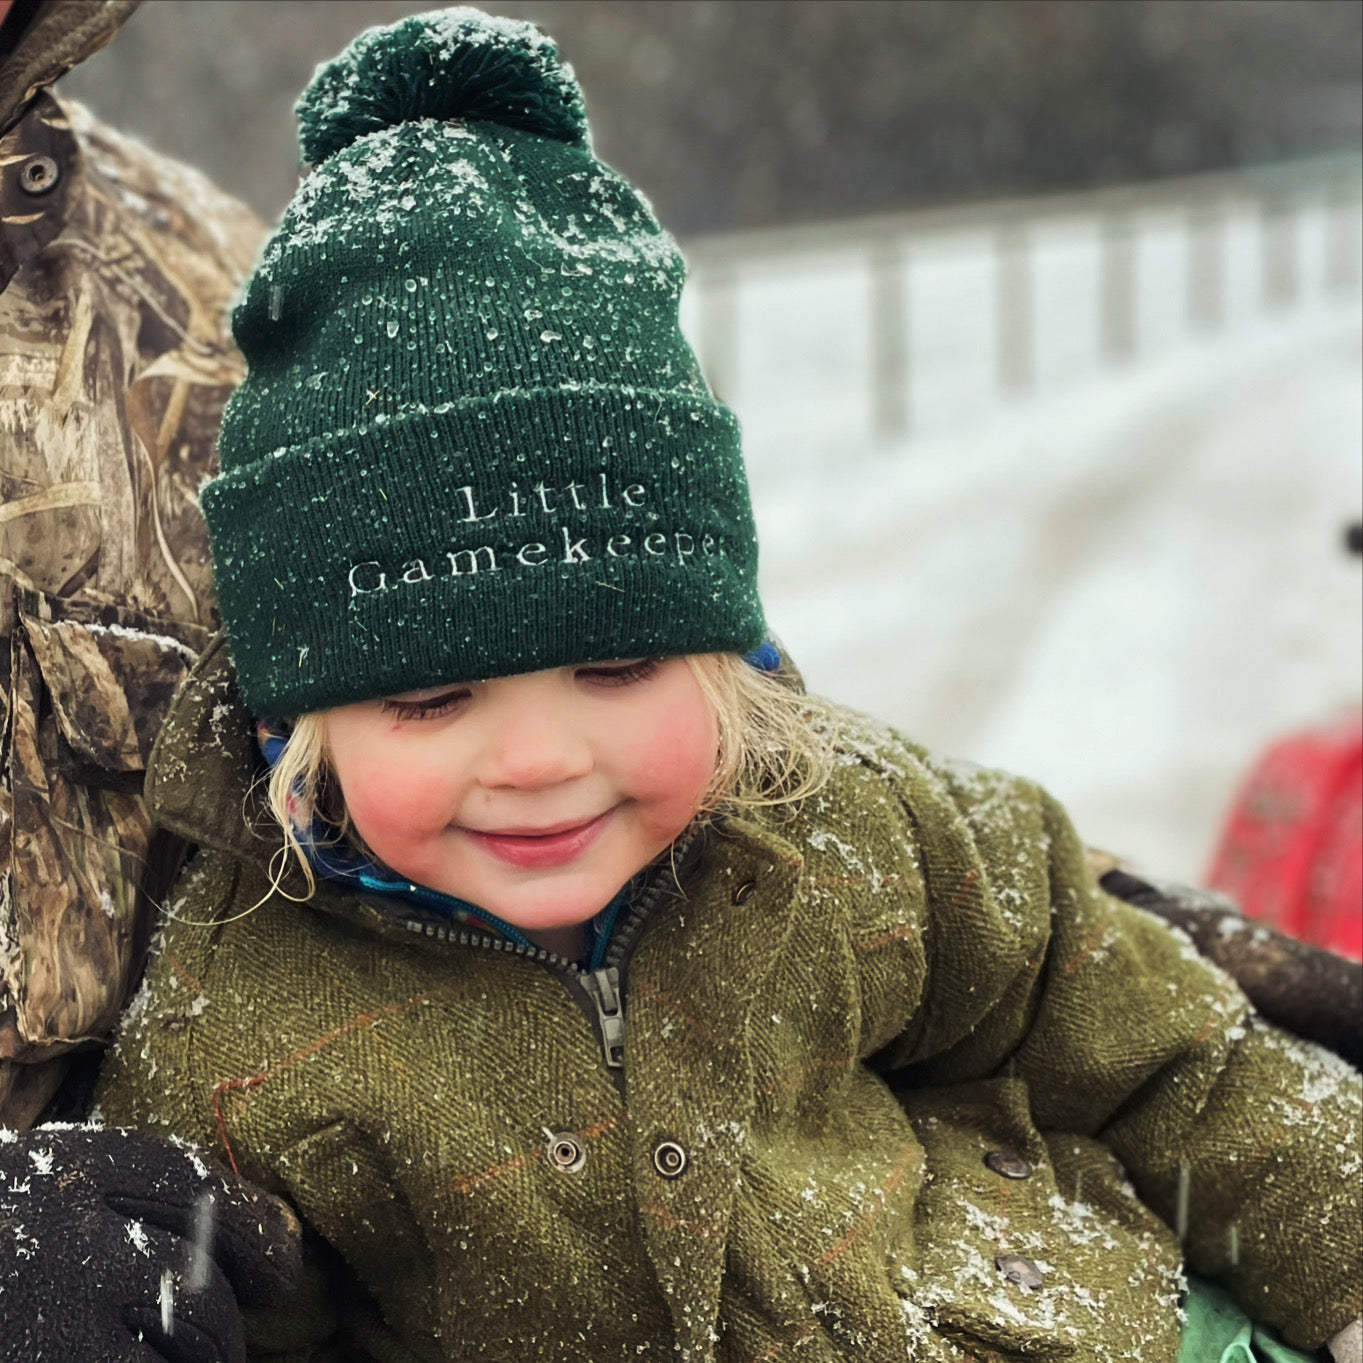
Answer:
(472, 440)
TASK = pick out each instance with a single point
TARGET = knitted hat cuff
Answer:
(471, 562)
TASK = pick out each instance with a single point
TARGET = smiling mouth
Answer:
(536, 848)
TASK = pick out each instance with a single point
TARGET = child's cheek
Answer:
(673, 760)
(396, 815)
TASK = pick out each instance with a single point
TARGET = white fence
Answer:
(845, 335)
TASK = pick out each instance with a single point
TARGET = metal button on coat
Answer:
(566, 1153)
(1007, 1164)
(39, 175)
(669, 1159)
(744, 892)
(1019, 1270)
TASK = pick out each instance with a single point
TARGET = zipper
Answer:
(602, 987)
(596, 992)
(597, 988)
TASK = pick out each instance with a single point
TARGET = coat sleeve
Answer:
(1240, 1136)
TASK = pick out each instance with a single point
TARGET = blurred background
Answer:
(747, 113)
(1042, 318)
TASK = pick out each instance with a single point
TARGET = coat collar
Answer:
(203, 779)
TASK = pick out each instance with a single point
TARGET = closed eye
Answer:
(620, 674)
(426, 707)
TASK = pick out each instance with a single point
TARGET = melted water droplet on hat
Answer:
(410, 286)
(392, 327)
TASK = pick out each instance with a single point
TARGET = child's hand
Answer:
(119, 1245)
(1347, 1345)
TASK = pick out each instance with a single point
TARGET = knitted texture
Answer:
(922, 922)
(472, 440)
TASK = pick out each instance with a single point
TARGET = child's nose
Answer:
(531, 748)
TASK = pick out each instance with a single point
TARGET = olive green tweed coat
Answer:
(899, 1083)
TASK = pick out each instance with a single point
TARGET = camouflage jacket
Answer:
(116, 267)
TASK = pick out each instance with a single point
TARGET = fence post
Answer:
(1117, 298)
(718, 328)
(1014, 306)
(1279, 228)
(889, 315)
(1342, 234)
(1206, 267)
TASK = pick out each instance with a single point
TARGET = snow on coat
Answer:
(900, 1081)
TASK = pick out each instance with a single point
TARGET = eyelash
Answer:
(434, 708)
(624, 675)
(627, 674)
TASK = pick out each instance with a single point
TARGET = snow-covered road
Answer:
(1124, 586)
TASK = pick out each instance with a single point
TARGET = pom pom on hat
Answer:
(445, 64)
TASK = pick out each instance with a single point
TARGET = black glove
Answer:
(120, 1247)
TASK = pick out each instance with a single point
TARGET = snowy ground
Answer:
(1124, 585)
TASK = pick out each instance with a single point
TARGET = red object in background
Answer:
(1291, 853)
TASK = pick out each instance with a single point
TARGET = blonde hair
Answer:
(772, 748)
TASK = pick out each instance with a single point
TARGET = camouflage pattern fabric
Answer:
(117, 267)
(55, 36)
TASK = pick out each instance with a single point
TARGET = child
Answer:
(597, 995)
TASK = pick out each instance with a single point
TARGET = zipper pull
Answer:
(603, 988)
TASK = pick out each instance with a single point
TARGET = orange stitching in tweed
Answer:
(181, 973)
(465, 1182)
(220, 1117)
(707, 1230)
(247, 1082)
(1209, 1026)
(698, 1027)
(964, 890)
(355, 1023)
(489, 1175)
(913, 1157)
(899, 934)
(792, 1335)
(1005, 1197)
(1072, 963)
(424, 1107)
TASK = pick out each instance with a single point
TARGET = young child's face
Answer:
(535, 797)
